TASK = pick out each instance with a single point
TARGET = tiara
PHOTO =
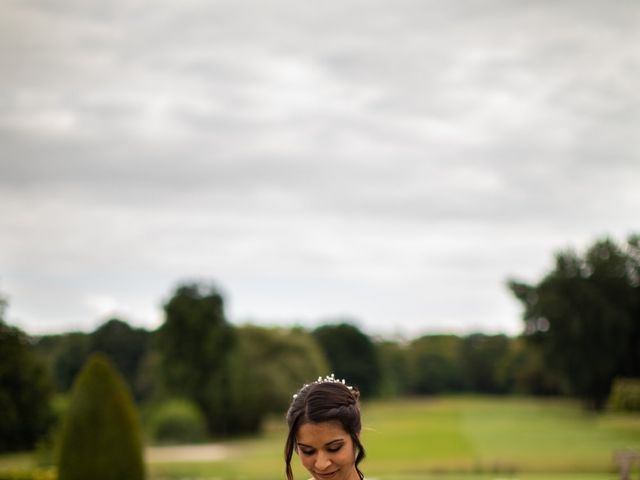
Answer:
(328, 379)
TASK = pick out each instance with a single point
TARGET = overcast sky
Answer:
(388, 162)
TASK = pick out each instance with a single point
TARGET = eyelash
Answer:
(330, 450)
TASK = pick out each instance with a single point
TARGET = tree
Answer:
(64, 355)
(25, 390)
(125, 346)
(129, 348)
(435, 364)
(525, 372)
(100, 437)
(282, 361)
(195, 344)
(584, 315)
(267, 365)
(70, 356)
(351, 355)
(483, 359)
(394, 368)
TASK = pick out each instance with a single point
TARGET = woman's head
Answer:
(330, 411)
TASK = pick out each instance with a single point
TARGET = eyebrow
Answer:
(326, 444)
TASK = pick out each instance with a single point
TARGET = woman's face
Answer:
(327, 451)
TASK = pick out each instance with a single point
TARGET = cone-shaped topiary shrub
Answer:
(100, 437)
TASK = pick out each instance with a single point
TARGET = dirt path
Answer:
(209, 452)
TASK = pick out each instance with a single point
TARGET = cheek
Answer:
(307, 461)
(347, 456)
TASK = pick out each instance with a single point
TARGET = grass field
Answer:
(449, 438)
(505, 435)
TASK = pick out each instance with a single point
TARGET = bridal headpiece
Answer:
(328, 379)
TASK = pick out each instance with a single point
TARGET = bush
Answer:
(45, 447)
(177, 421)
(625, 395)
(25, 391)
(100, 437)
(37, 474)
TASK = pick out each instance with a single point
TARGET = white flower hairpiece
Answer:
(328, 379)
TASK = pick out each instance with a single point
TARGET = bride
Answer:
(324, 430)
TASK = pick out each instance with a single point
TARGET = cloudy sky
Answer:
(389, 162)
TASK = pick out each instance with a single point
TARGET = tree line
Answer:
(582, 331)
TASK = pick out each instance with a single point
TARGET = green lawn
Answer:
(494, 435)
(448, 438)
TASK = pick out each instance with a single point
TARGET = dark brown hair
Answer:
(324, 402)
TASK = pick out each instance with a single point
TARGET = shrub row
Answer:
(625, 395)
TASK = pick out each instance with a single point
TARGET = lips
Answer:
(326, 475)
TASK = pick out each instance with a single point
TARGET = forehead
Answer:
(317, 434)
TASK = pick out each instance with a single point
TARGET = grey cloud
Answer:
(277, 141)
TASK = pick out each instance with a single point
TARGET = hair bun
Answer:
(355, 393)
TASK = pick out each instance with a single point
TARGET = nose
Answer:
(322, 461)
